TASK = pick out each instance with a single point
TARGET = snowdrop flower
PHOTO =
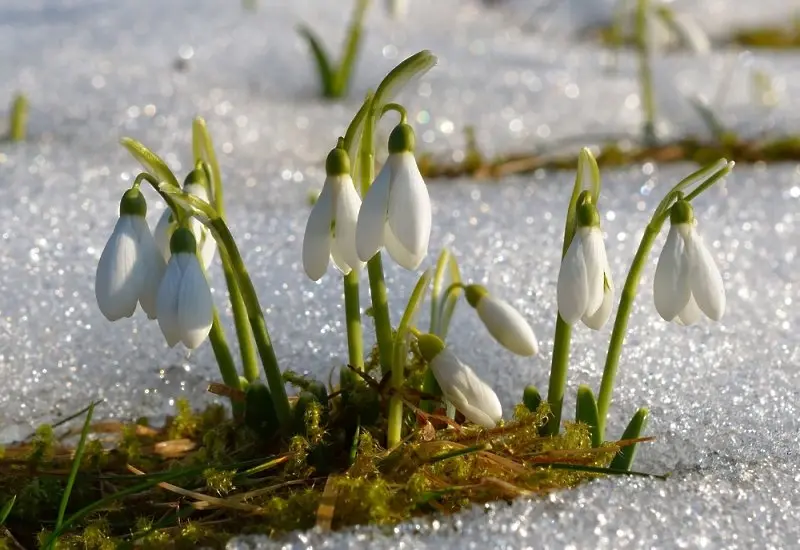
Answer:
(460, 385)
(184, 305)
(503, 322)
(331, 227)
(585, 288)
(194, 185)
(130, 266)
(397, 210)
(687, 281)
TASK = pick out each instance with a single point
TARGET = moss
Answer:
(333, 472)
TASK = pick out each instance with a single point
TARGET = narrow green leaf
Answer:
(439, 285)
(352, 138)
(531, 398)
(416, 65)
(322, 60)
(399, 348)
(344, 71)
(599, 470)
(624, 458)
(586, 412)
(151, 162)
(450, 301)
(19, 118)
(76, 464)
(5, 511)
(203, 151)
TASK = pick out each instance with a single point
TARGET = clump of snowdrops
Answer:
(360, 215)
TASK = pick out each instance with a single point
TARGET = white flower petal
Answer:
(462, 387)
(403, 257)
(671, 291)
(572, 288)
(372, 216)
(118, 279)
(348, 204)
(690, 314)
(195, 305)
(206, 245)
(594, 253)
(705, 279)
(600, 317)
(317, 238)
(507, 326)
(163, 233)
(152, 266)
(409, 206)
(167, 302)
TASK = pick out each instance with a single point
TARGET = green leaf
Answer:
(151, 162)
(322, 60)
(439, 285)
(416, 65)
(5, 511)
(400, 348)
(450, 301)
(342, 77)
(586, 412)
(203, 151)
(624, 458)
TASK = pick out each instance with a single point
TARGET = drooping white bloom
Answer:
(130, 266)
(459, 383)
(396, 212)
(167, 223)
(184, 305)
(687, 281)
(331, 227)
(585, 288)
(503, 322)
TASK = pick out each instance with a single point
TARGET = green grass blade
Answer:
(76, 464)
(5, 511)
(99, 504)
(203, 150)
(19, 118)
(324, 69)
(586, 412)
(624, 458)
(417, 295)
(439, 286)
(342, 77)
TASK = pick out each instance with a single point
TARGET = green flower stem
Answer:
(563, 334)
(632, 284)
(257, 322)
(645, 71)
(558, 376)
(352, 309)
(203, 152)
(222, 354)
(377, 283)
(396, 107)
(230, 254)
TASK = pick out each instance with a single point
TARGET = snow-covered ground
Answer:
(723, 397)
